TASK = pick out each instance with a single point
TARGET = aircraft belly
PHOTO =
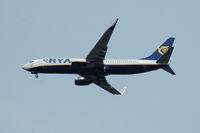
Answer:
(62, 69)
(108, 69)
(130, 69)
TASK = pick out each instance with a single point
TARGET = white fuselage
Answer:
(77, 66)
(69, 61)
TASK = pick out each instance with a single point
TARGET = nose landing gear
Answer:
(36, 75)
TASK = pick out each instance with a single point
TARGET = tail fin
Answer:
(165, 59)
(167, 45)
(166, 56)
(163, 54)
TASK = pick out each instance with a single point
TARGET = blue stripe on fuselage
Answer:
(54, 69)
(130, 69)
(109, 69)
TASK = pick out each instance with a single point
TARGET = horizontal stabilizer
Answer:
(169, 69)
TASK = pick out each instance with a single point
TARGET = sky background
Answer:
(155, 102)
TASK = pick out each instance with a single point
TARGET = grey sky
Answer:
(154, 102)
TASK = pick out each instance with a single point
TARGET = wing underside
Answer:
(95, 61)
(98, 53)
(106, 86)
(103, 83)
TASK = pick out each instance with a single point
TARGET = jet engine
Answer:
(82, 81)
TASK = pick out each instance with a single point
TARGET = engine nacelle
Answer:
(82, 81)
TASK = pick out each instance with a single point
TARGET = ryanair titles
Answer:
(57, 60)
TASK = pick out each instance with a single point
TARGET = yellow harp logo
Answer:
(162, 50)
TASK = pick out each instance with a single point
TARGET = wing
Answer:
(98, 53)
(106, 86)
(103, 83)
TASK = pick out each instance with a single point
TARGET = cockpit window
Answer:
(30, 61)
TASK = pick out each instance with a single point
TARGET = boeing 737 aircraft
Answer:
(94, 68)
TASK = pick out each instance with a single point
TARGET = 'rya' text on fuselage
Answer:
(57, 60)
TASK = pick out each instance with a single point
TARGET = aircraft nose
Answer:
(26, 66)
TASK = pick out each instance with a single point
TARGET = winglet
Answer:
(116, 21)
(123, 90)
(113, 26)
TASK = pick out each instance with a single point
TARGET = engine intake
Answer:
(82, 81)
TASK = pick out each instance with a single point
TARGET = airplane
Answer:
(94, 68)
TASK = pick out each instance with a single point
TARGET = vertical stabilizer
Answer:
(168, 44)
(165, 57)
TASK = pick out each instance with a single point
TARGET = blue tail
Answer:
(168, 44)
